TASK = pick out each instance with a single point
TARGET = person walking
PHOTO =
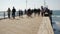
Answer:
(42, 11)
(9, 12)
(19, 13)
(13, 12)
(38, 11)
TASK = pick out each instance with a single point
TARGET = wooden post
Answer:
(4, 15)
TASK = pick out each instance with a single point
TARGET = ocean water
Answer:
(56, 21)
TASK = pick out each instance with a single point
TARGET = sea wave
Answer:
(55, 15)
(56, 25)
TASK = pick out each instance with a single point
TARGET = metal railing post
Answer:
(4, 15)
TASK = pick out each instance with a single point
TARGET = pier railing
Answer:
(4, 14)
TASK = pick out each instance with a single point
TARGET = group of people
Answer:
(38, 11)
(29, 12)
(13, 12)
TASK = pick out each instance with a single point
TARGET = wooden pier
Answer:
(34, 25)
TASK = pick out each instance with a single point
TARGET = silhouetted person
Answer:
(32, 10)
(13, 12)
(42, 11)
(35, 11)
(25, 11)
(29, 12)
(19, 13)
(9, 11)
(38, 11)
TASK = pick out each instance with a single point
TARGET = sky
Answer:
(21, 4)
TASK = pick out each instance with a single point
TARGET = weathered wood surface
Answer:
(35, 25)
(45, 27)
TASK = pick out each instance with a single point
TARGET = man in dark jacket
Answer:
(13, 12)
